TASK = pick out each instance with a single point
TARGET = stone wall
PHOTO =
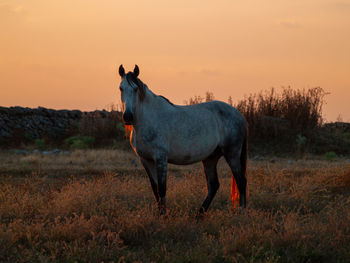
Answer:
(18, 123)
(338, 126)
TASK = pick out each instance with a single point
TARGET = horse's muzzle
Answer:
(128, 117)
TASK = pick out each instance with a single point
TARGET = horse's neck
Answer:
(148, 109)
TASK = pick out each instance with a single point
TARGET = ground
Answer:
(97, 205)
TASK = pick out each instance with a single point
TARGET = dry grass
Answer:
(100, 208)
(78, 162)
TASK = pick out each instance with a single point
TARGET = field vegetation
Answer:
(91, 201)
(97, 206)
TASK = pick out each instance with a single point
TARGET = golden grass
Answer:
(100, 208)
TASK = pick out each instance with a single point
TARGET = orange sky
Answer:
(64, 54)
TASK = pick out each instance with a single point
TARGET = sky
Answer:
(65, 54)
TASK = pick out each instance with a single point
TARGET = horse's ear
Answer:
(136, 71)
(121, 71)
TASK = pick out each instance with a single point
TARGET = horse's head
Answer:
(132, 92)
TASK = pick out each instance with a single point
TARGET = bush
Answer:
(120, 127)
(294, 112)
(40, 143)
(301, 142)
(330, 156)
(209, 96)
(80, 142)
(346, 136)
(327, 140)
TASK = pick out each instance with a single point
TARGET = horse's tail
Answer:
(243, 163)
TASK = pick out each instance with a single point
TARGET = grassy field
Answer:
(97, 205)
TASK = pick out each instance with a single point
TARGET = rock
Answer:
(76, 114)
(36, 151)
(5, 134)
(3, 110)
(63, 113)
(28, 124)
(257, 158)
(24, 152)
(4, 117)
(55, 151)
(342, 126)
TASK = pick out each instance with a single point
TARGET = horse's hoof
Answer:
(200, 216)
(162, 211)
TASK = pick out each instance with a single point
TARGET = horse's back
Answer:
(220, 117)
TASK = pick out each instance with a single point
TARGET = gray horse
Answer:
(165, 133)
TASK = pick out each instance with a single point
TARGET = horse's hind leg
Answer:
(232, 157)
(211, 175)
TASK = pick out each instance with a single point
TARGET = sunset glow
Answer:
(65, 54)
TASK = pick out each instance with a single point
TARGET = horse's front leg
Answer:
(150, 167)
(162, 165)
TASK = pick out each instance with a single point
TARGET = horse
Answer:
(163, 133)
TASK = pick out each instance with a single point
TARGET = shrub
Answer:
(120, 127)
(346, 136)
(80, 142)
(330, 156)
(301, 142)
(40, 143)
(209, 96)
(325, 140)
(28, 137)
(300, 110)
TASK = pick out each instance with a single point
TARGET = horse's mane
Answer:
(130, 77)
(167, 100)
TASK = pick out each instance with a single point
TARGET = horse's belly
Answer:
(191, 152)
(183, 160)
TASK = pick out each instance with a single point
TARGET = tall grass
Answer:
(271, 114)
(103, 127)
